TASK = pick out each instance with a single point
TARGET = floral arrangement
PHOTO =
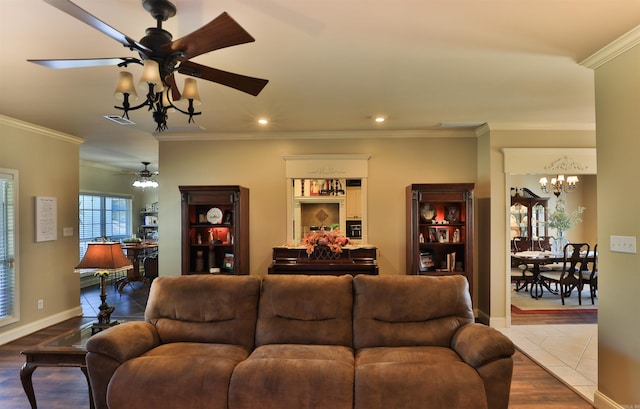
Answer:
(331, 239)
(563, 221)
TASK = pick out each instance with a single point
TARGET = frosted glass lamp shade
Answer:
(151, 75)
(167, 100)
(125, 86)
(191, 91)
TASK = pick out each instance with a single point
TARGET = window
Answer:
(8, 219)
(103, 216)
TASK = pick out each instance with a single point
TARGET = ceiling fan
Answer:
(145, 178)
(170, 55)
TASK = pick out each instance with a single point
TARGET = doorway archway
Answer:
(539, 161)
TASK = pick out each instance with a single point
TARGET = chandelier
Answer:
(558, 184)
(159, 94)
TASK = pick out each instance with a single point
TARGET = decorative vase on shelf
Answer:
(560, 242)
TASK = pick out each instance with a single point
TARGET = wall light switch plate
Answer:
(67, 231)
(623, 244)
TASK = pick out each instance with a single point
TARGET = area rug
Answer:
(523, 303)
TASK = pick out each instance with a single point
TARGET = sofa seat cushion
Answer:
(182, 374)
(294, 376)
(421, 377)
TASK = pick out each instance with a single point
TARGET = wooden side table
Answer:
(66, 350)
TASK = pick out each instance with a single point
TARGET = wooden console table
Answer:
(353, 260)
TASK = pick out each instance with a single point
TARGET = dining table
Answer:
(532, 262)
(134, 252)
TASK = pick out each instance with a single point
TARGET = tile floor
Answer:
(568, 351)
(130, 304)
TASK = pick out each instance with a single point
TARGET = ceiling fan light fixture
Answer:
(151, 75)
(167, 100)
(190, 91)
(145, 178)
(263, 121)
(125, 86)
(380, 118)
(144, 183)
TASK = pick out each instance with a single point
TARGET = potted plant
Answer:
(561, 220)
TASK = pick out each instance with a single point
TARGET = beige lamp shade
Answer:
(104, 256)
(190, 91)
(125, 86)
(167, 100)
(151, 75)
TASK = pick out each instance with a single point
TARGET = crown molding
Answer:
(391, 134)
(16, 123)
(614, 49)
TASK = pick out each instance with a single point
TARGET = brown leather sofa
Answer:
(303, 342)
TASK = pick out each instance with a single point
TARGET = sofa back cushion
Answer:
(406, 310)
(205, 308)
(300, 309)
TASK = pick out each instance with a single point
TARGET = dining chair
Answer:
(542, 243)
(522, 243)
(590, 276)
(522, 276)
(573, 264)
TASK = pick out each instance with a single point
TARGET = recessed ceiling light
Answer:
(263, 121)
(380, 118)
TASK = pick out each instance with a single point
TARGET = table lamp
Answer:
(106, 257)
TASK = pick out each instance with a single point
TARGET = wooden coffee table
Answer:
(66, 350)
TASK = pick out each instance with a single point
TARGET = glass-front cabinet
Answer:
(528, 216)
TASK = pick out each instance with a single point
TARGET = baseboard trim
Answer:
(32, 327)
(602, 401)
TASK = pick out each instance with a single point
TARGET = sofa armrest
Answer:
(490, 353)
(478, 344)
(107, 350)
(125, 341)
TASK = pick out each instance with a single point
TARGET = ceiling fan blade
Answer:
(221, 32)
(250, 85)
(75, 11)
(79, 63)
(175, 92)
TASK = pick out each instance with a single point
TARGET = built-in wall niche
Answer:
(327, 191)
(328, 214)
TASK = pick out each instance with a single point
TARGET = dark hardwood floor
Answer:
(66, 388)
(574, 317)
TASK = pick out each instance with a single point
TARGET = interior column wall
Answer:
(617, 102)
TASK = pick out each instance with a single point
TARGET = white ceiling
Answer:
(331, 65)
